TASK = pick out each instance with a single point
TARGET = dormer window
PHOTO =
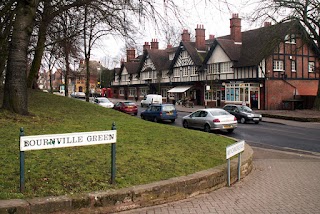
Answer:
(290, 38)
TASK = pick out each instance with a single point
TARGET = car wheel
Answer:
(172, 121)
(185, 124)
(155, 119)
(142, 117)
(207, 128)
(243, 120)
(141, 105)
(230, 130)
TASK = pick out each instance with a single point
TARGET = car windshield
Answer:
(219, 112)
(168, 108)
(104, 101)
(245, 109)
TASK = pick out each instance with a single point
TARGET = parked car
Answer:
(126, 107)
(151, 99)
(78, 95)
(160, 112)
(243, 113)
(104, 102)
(210, 119)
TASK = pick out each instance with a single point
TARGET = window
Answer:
(226, 67)
(311, 67)
(193, 71)
(185, 71)
(132, 92)
(176, 72)
(278, 65)
(290, 38)
(293, 66)
(143, 91)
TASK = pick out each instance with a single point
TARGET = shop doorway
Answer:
(254, 97)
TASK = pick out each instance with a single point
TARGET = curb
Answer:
(299, 119)
(156, 193)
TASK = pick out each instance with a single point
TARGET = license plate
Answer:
(227, 126)
(255, 119)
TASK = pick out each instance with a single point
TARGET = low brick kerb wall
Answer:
(134, 197)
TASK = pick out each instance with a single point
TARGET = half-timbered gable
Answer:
(186, 63)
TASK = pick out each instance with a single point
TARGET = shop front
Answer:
(243, 93)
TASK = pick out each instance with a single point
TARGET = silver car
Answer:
(210, 119)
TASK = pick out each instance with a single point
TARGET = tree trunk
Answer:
(36, 63)
(88, 79)
(15, 91)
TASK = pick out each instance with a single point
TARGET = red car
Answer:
(126, 107)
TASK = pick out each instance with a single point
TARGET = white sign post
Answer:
(231, 151)
(38, 142)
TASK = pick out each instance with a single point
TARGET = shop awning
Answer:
(179, 89)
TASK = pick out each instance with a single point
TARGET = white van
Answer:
(150, 99)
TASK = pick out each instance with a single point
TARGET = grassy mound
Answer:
(146, 151)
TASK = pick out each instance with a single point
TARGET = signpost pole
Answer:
(239, 166)
(228, 172)
(113, 157)
(22, 183)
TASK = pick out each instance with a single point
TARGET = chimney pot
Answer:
(146, 46)
(154, 44)
(185, 36)
(235, 28)
(200, 37)
(267, 24)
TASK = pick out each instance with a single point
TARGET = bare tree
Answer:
(27, 20)
(307, 12)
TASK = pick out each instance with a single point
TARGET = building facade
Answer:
(273, 67)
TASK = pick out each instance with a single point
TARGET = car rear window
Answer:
(219, 112)
(129, 104)
(169, 108)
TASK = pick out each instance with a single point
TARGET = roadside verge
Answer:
(137, 196)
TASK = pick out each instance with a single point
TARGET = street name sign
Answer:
(38, 142)
(234, 149)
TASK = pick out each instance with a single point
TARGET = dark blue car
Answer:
(160, 112)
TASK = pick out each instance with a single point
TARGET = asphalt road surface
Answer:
(300, 137)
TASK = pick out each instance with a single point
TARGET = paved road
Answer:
(280, 182)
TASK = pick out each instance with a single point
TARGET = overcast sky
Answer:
(214, 17)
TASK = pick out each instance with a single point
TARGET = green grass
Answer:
(146, 151)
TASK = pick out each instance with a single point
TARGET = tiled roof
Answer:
(132, 67)
(159, 58)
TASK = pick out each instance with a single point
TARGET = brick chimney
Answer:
(169, 46)
(200, 38)
(211, 37)
(185, 36)
(146, 46)
(235, 28)
(131, 54)
(154, 44)
(267, 24)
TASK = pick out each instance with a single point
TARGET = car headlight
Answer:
(250, 115)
